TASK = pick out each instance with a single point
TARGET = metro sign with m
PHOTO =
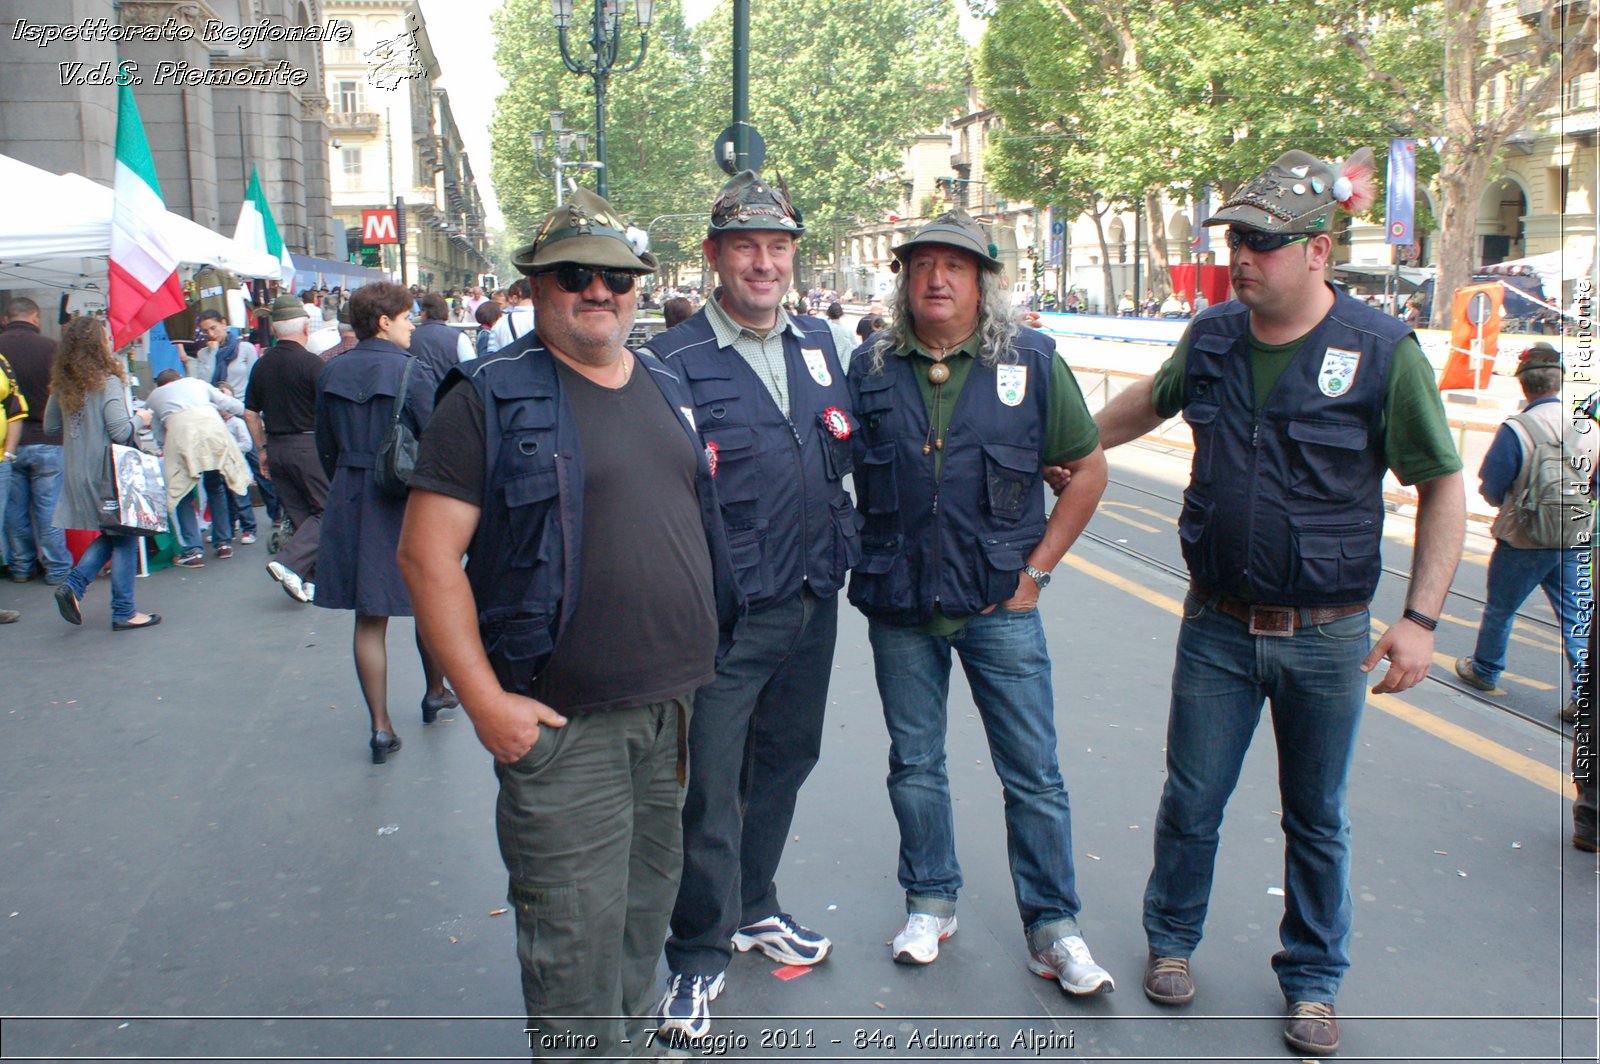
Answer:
(379, 227)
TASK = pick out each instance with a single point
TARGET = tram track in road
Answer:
(1476, 697)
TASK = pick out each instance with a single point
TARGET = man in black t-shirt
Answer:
(570, 474)
(283, 390)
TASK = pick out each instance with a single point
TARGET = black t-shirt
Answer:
(283, 388)
(645, 626)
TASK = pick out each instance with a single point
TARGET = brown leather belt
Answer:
(1276, 620)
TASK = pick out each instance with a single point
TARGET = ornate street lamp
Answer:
(600, 60)
(561, 143)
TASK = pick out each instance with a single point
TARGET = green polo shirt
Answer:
(1070, 433)
(1417, 444)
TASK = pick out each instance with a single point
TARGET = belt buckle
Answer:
(1271, 620)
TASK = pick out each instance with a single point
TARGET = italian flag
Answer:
(144, 269)
(259, 230)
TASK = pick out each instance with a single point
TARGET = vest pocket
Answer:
(847, 538)
(1201, 417)
(875, 481)
(1324, 460)
(738, 479)
(838, 456)
(1337, 559)
(746, 547)
(1192, 521)
(1009, 473)
(530, 499)
(517, 648)
(1006, 554)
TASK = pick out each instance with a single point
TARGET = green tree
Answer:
(1107, 102)
(837, 91)
(1490, 89)
(658, 126)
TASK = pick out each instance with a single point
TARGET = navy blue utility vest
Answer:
(789, 520)
(435, 346)
(1285, 504)
(958, 542)
(524, 560)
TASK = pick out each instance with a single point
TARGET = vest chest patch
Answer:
(1338, 371)
(1011, 384)
(818, 366)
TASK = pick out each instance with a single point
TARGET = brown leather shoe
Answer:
(1312, 1028)
(1167, 981)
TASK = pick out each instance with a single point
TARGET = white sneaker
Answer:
(918, 941)
(277, 570)
(1067, 961)
(295, 588)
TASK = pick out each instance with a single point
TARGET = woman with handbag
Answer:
(365, 397)
(90, 405)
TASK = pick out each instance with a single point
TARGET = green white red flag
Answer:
(144, 269)
(258, 229)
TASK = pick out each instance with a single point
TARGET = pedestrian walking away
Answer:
(283, 391)
(961, 408)
(1539, 542)
(359, 397)
(1299, 398)
(578, 630)
(91, 407)
(770, 399)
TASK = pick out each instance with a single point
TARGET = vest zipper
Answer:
(800, 468)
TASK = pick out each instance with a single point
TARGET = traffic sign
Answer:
(1479, 307)
(724, 154)
(379, 227)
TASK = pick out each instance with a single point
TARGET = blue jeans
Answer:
(1513, 574)
(1008, 667)
(124, 554)
(5, 490)
(217, 495)
(30, 508)
(755, 736)
(264, 485)
(1222, 676)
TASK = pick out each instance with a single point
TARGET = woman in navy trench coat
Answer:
(356, 568)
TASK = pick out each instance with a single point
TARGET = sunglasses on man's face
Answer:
(576, 279)
(1260, 242)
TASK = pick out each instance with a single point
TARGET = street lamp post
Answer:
(560, 141)
(600, 60)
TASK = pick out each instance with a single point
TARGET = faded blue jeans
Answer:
(1008, 666)
(1513, 574)
(30, 508)
(124, 554)
(1222, 677)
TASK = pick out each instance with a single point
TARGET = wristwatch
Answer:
(1040, 577)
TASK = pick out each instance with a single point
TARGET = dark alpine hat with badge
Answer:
(1298, 192)
(287, 307)
(585, 232)
(952, 229)
(748, 202)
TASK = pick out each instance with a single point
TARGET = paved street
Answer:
(196, 863)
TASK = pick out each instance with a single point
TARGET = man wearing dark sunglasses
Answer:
(770, 399)
(1299, 399)
(597, 588)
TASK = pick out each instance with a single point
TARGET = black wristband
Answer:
(1421, 619)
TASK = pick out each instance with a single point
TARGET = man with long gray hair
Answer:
(960, 410)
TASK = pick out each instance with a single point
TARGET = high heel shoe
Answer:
(431, 705)
(383, 744)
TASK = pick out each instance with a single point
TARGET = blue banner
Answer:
(1202, 210)
(1402, 191)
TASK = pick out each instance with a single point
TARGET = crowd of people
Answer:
(652, 688)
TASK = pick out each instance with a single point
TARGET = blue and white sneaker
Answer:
(784, 940)
(686, 1007)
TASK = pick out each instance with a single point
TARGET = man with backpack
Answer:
(1538, 472)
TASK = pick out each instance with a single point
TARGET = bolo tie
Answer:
(938, 373)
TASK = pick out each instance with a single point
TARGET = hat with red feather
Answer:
(1298, 194)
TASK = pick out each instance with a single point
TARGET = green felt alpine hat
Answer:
(287, 308)
(585, 232)
(952, 229)
(749, 202)
(1299, 192)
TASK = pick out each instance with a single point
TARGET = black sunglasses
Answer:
(1260, 242)
(575, 279)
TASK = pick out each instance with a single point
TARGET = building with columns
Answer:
(218, 95)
